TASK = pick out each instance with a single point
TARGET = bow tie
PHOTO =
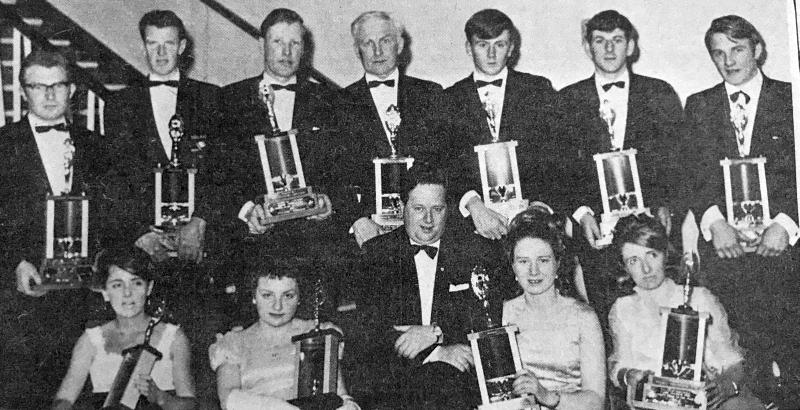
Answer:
(375, 83)
(620, 84)
(170, 83)
(55, 127)
(497, 83)
(430, 250)
(735, 96)
(287, 87)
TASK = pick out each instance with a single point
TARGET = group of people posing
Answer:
(404, 296)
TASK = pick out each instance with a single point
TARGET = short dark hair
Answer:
(263, 266)
(47, 59)
(161, 19)
(490, 23)
(735, 27)
(642, 230)
(281, 15)
(422, 173)
(131, 259)
(610, 20)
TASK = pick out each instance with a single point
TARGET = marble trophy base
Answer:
(388, 223)
(518, 403)
(666, 393)
(609, 221)
(58, 274)
(293, 204)
(509, 209)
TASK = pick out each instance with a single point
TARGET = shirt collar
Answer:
(273, 80)
(502, 75)
(173, 76)
(625, 76)
(752, 88)
(394, 75)
(434, 244)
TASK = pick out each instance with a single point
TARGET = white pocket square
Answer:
(459, 288)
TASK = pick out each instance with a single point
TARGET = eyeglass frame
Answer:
(45, 88)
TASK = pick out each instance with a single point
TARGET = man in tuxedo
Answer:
(647, 116)
(496, 101)
(138, 124)
(419, 303)
(43, 154)
(369, 106)
(747, 115)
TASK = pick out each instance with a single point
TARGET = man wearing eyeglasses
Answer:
(42, 154)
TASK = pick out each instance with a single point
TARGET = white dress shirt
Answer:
(164, 101)
(384, 96)
(283, 103)
(55, 151)
(426, 277)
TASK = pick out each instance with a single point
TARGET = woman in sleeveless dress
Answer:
(128, 281)
(560, 342)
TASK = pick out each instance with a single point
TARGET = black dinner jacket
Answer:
(710, 137)
(25, 186)
(653, 128)
(528, 117)
(419, 136)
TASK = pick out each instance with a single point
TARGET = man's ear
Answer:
(72, 89)
(182, 46)
(757, 50)
(468, 47)
(401, 42)
(587, 48)
(630, 48)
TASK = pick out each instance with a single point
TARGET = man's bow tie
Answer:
(287, 87)
(497, 83)
(735, 96)
(430, 250)
(170, 83)
(620, 84)
(375, 83)
(55, 127)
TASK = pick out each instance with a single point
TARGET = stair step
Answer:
(115, 87)
(87, 64)
(32, 21)
(60, 42)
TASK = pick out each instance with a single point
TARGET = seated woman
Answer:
(128, 282)
(256, 366)
(636, 325)
(559, 338)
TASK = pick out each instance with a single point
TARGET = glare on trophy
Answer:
(317, 369)
(287, 195)
(746, 199)
(389, 173)
(494, 350)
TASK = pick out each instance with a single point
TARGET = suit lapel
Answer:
(472, 100)
(149, 128)
(441, 286)
(29, 149)
(766, 104)
(374, 126)
(511, 100)
(599, 130)
(723, 108)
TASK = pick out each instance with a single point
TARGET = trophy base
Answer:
(666, 393)
(387, 223)
(518, 403)
(609, 221)
(753, 235)
(293, 204)
(509, 209)
(58, 274)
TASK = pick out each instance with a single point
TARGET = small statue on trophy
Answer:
(491, 118)
(608, 115)
(494, 350)
(388, 174)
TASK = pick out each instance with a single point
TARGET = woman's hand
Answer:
(147, 387)
(526, 383)
(635, 376)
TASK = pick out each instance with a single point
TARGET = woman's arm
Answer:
(593, 373)
(181, 376)
(619, 360)
(82, 356)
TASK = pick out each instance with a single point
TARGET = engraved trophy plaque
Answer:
(389, 173)
(500, 183)
(620, 189)
(679, 384)
(66, 264)
(495, 353)
(174, 191)
(746, 199)
(136, 361)
(317, 369)
(287, 195)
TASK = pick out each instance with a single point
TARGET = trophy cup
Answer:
(287, 195)
(495, 353)
(174, 201)
(746, 199)
(388, 176)
(317, 370)
(136, 361)
(66, 264)
(679, 383)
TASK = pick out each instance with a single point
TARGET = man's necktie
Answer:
(55, 127)
(735, 96)
(287, 87)
(497, 83)
(170, 83)
(375, 83)
(620, 84)
(430, 250)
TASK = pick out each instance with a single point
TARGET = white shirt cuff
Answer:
(791, 227)
(711, 215)
(581, 211)
(246, 208)
(434, 356)
(462, 204)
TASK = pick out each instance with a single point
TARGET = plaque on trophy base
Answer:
(746, 199)
(497, 361)
(620, 190)
(287, 196)
(389, 174)
(501, 186)
(66, 264)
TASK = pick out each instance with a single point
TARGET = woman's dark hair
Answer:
(539, 223)
(271, 268)
(647, 231)
(131, 259)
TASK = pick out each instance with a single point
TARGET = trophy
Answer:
(136, 361)
(389, 173)
(495, 353)
(679, 383)
(317, 370)
(746, 199)
(287, 195)
(66, 264)
(174, 201)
